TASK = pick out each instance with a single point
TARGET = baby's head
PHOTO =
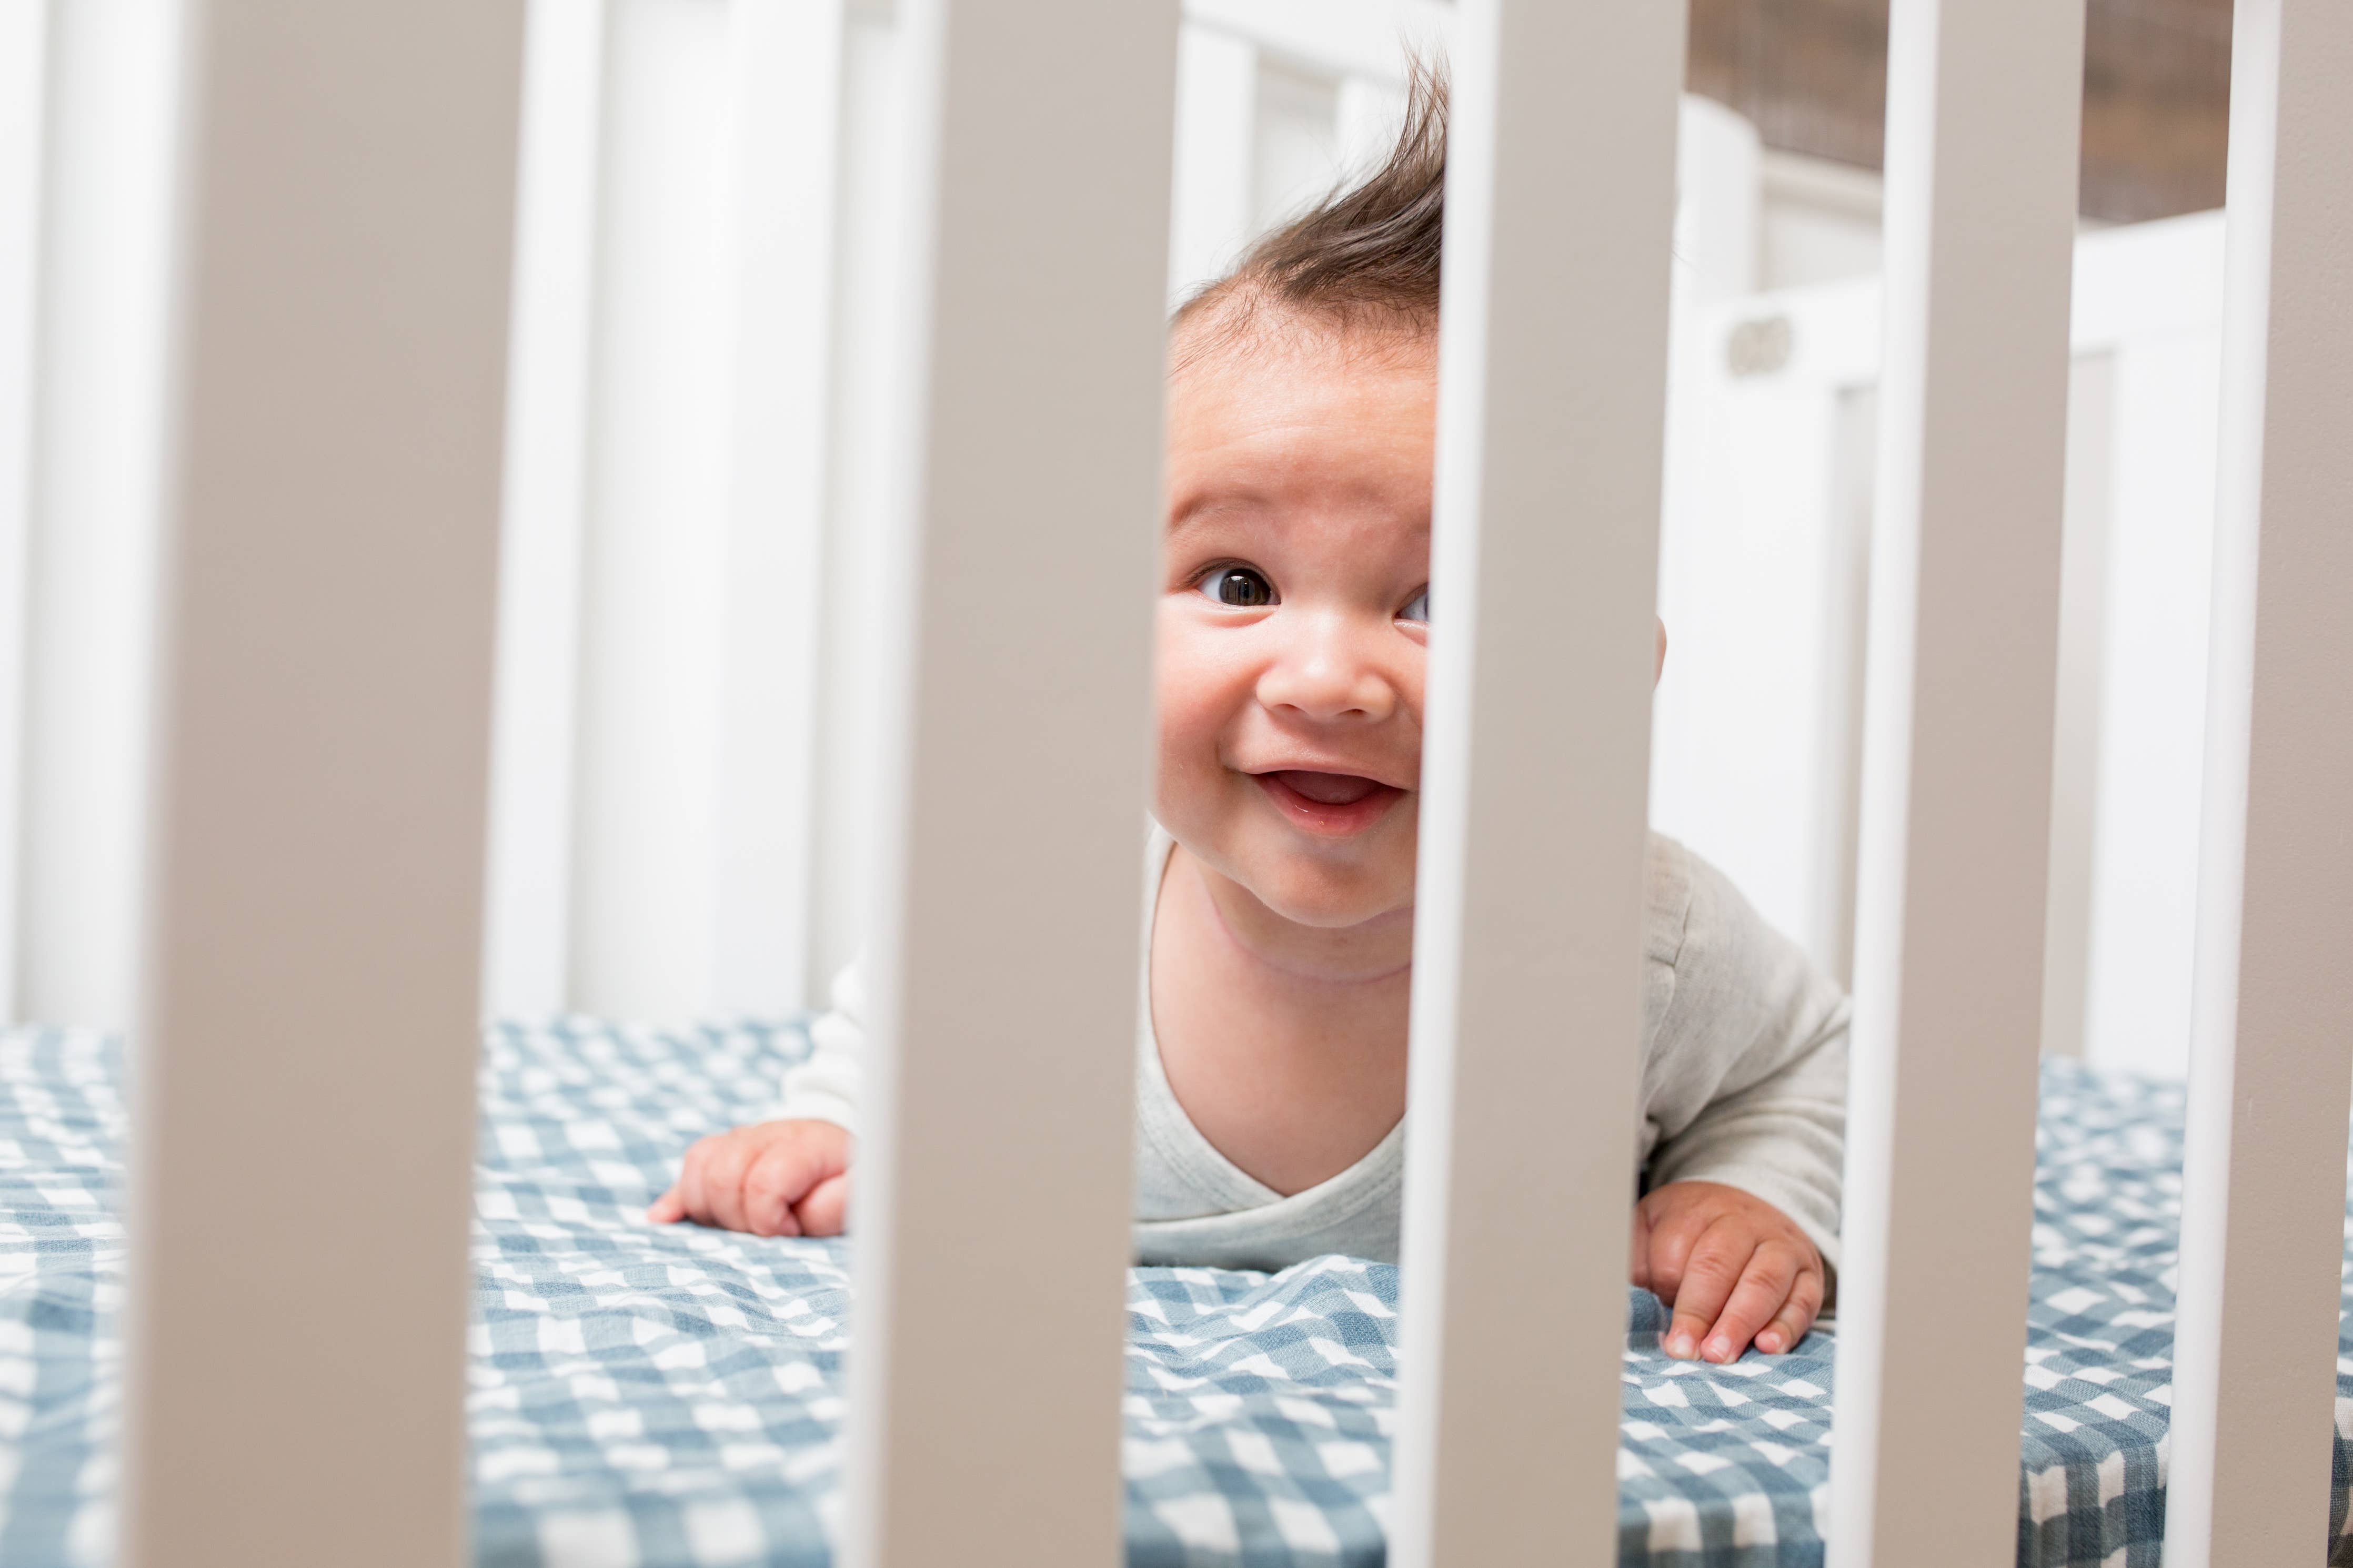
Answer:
(1294, 599)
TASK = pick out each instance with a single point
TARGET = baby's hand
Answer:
(778, 1178)
(1730, 1265)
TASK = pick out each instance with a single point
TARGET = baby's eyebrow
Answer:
(1202, 513)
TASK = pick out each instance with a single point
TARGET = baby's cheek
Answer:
(1197, 698)
(1188, 770)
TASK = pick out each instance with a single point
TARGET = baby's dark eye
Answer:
(1418, 610)
(1240, 587)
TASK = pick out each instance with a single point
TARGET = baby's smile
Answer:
(1337, 804)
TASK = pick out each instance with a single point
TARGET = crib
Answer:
(319, 807)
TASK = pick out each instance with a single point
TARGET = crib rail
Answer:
(1529, 897)
(24, 54)
(2264, 1184)
(1984, 109)
(301, 1176)
(1024, 545)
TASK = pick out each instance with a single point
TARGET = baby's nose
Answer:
(1329, 676)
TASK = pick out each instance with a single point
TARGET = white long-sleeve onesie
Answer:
(1743, 1082)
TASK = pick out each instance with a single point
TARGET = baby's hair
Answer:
(1363, 258)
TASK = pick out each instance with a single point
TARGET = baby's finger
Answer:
(1764, 1287)
(1672, 1234)
(1791, 1324)
(1638, 1264)
(667, 1209)
(691, 1203)
(771, 1184)
(722, 1182)
(1717, 1260)
(826, 1208)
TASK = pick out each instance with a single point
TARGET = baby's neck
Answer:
(1377, 949)
(1284, 1043)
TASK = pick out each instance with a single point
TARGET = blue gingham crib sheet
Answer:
(673, 1395)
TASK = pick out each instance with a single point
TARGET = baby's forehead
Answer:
(1261, 397)
(1238, 331)
(1329, 492)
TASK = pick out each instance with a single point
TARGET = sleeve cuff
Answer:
(816, 1105)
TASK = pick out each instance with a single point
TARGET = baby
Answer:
(1292, 629)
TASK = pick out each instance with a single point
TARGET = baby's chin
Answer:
(1329, 886)
(1308, 894)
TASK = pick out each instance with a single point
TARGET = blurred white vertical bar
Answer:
(1026, 524)
(859, 475)
(2272, 1053)
(527, 922)
(1217, 114)
(2165, 407)
(784, 91)
(314, 930)
(653, 578)
(23, 98)
(1983, 124)
(2075, 754)
(1529, 913)
(96, 476)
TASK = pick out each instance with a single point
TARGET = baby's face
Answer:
(1294, 619)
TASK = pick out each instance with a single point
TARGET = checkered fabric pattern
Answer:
(673, 1395)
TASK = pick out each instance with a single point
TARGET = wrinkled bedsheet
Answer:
(660, 1397)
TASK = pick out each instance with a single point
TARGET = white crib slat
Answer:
(549, 360)
(655, 563)
(2272, 1048)
(785, 101)
(23, 102)
(1984, 116)
(1527, 1005)
(303, 1152)
(860, 463)
(994, 1166)
(96, 466)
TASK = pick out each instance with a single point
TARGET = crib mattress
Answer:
(673, 1395)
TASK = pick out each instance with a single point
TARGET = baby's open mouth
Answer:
(1339, 803)
(1327, 789)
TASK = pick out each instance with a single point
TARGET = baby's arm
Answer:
(788, 1176)
(1739, 1229)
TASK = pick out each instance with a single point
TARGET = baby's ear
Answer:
(1661, 668)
